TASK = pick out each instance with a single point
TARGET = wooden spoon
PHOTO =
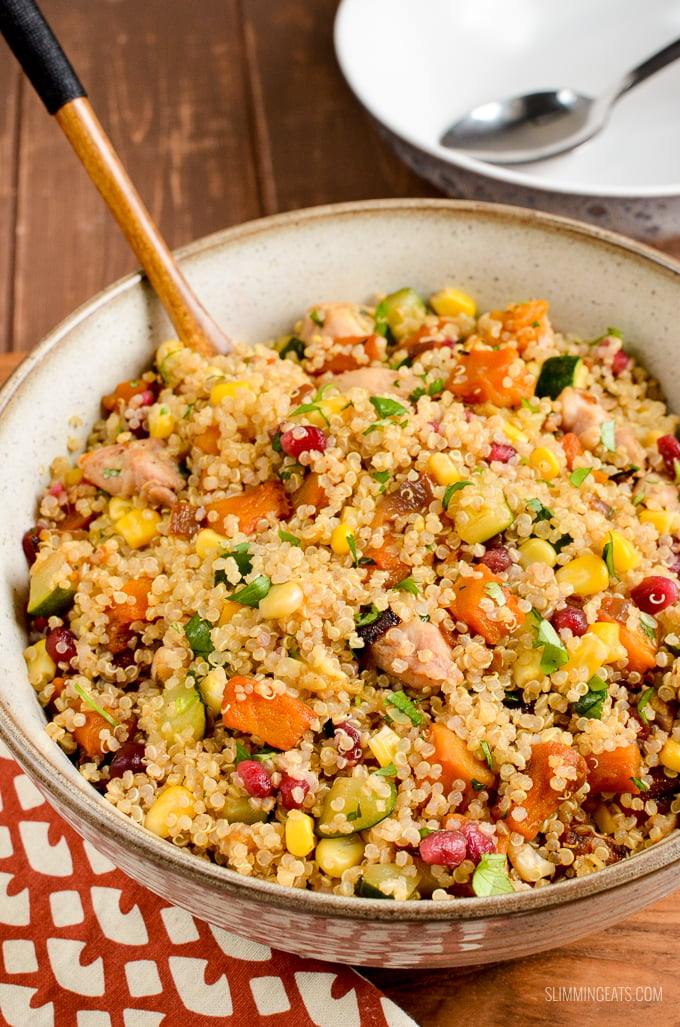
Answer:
(51, 74)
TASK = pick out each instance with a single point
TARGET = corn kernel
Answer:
(383, 744)
(225, 389)
(585, 574)
(665, 521)
(138, 526)
(211, 688)
(160, 421)
(651, 438)
(229, 611)
(546, 462)
(451, 302)
(604, 819)
(39, 664)
(537, 550)
(527, 667)
(610, 634)
(168, 357)
(173, 802)
(670, 755)
(118, 507)
(282, 600)
(340, 538)
(589, 652)
(443, 469)
(335, 855)
(209, 543)
(625, 557)
(334, 405)
(299, 833)
(73, 476)
(513, 433)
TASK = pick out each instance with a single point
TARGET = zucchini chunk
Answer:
(365, 804)
(558, 373)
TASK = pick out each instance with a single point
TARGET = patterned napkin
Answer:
(82, 945)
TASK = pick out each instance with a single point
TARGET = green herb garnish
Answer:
(402, 702)
(484, 746)
(385, 408)
(643, 701)
(642, 785)
(540, 512)
(407, 585)
(451, 490)
(382, 477)
(591, 704)
(579, 475)
(608, 556)
(253, 592)
(490, 877)
(108, 717)
(608, 435)
(554, 653)
(286, 536)
(295, 346)
(241, 555)
(389, 771)
(369, 616)
(495, 592)
(241, 753)
(648, 625)
(197, 633)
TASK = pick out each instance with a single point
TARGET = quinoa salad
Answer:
(386, 609)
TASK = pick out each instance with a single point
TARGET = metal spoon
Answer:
(49, 70)
(543, 124)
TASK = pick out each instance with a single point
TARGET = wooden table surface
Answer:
(222, 111)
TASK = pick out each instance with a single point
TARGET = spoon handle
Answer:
(50, 72)
(650, 66)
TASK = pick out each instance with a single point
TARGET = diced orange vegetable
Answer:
(429, 336)
(87, 735)
(523, 321)
(457, 762)
(466, 607)
(571, 444)
(280, 721)
(640, 647)
(614, 769)
(345, 360)
(123, 393)
(387, 558)
(250, 507)
(545, 763)
(208, 441)
(495, 376)
(121, 615)
(310, 493)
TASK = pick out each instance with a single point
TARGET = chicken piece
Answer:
(583, 415)
(422, 648)
(142, 467)
(377, 381)
(328, 321)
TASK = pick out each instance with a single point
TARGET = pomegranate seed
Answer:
(655, 593)
(129, 757)
(674, 565)
(571, 617)
(348, 741)
(502, 452)
(30, 543)
(56, 489)
(443, 848)
(620, 362)
(302, 439)
(292, 792)
(61, 645)
(669, 448)
(477, 841)
(256, 779)
(497, 559)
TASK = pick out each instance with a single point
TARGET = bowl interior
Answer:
(462, 54)
(257, 279)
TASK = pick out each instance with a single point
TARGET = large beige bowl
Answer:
(256, 279)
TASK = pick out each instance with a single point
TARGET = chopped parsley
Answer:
(241, 555)
(451, 490)
(308, 408)
(608, 556)
(432, 388)
(579, 475)
(540, 512)
(111, 472)
(108, 717)
(495, 592)
(407, 585)
(643, 702)
(293, 346)
(484, 746)
(385, 408)
(554, 653)
(368, 616)
(389, 771)
(642, 785)
(253, 592)
(382, 477)
(317, 317)
(591, 704)
(197, 633)
(286, 536)
(241, 753)
(402, 702)
(490, 876)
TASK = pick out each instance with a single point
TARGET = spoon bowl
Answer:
(538, 125)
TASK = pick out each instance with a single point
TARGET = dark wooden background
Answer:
(223, 111)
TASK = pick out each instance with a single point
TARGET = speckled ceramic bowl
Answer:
(256, 279)
(419, 65)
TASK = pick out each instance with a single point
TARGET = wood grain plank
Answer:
(169, 89)
(10, 80)
(315, 143)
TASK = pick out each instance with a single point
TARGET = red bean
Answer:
(292, 792)
(502, 452)
(302, 439)
(571, 617)
(655, 593)
(129, 757)
(669, 448)
(477, 841)
(497, 559)
(348, 741)
(620, 362)
(444, 848)
(30, 543)
(61, 645)
(256, 779)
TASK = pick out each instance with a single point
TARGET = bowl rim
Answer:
(113, 826)
(504, 173)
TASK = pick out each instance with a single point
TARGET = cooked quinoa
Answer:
(389, 608)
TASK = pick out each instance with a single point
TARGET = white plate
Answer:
(418, 65)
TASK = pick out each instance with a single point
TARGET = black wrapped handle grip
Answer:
(34, 45)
